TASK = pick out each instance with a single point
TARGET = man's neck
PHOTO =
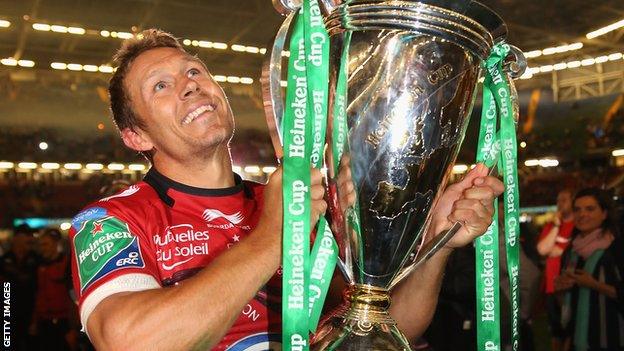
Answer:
(214, 172)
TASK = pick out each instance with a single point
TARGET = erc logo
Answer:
(103, 246)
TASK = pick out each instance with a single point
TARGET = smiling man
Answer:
(189, 257)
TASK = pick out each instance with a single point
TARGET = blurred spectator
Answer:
(19, 267)
(593, 276)
(53, 315)
(553, 240)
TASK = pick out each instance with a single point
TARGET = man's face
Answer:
(588, 215)
(185, 111)
(564, 202)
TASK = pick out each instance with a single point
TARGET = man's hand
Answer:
(346, 189)
(470, 202)
(317, 194)
(271, 217)
(273, 208)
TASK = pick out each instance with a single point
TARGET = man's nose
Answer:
(190, 88)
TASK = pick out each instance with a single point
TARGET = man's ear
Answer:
(136, 140)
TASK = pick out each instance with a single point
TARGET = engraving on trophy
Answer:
(440, 74)
(384, 202)
(385, 124)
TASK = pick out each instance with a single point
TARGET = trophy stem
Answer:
(362, 322)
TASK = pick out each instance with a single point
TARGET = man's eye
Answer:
(193, 72)
(160, 86)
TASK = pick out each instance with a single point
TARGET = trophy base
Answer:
(361, 323)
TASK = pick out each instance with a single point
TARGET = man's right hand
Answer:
(272, 215)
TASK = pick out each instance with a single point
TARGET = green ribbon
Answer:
(486, 246)
(581, 327)
(497, 103)
(509, 159)
(306, 275)
(324, 253)
(297, 129)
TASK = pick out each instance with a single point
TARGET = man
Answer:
(54, 310)
(135, 252)
(551, 244)
(18, 269)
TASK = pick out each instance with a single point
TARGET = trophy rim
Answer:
(418, 17)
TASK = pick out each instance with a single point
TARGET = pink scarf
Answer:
(586, 245)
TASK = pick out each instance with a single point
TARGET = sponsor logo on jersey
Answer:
(103, 246)
(131, 190)
(89, 213)
(211, 214)
(219, 220)
(179, 245)
(258, 342)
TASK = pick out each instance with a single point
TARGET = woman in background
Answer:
(591, 277)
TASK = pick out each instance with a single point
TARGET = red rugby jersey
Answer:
(159, 232)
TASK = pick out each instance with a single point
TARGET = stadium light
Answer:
(72, 166)
(604, 30)
(27, 165)
(116, 166)
(50, 165)
(94, 166)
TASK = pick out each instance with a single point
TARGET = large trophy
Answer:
(412, 70)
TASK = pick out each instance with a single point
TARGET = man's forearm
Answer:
(193, 315)
(414, 301)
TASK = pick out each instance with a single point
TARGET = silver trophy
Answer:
(412, 70)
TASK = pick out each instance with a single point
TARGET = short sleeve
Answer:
(108, 258)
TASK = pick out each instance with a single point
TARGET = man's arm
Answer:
(196, 314)
(470, 202)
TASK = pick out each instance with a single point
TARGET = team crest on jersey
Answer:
(89, 213)
(258, 342)
(103, 246)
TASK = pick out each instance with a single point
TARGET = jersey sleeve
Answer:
(109, 255)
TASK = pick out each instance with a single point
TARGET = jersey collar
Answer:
(162, 184)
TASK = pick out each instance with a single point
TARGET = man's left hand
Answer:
(469, 202)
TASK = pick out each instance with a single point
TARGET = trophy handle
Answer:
(270, 78)
(515, 64)
(431, 248)
(286, 7)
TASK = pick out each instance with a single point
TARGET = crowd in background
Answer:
(249, 146)
(43, 315)
(552, 278)
(572, 273)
